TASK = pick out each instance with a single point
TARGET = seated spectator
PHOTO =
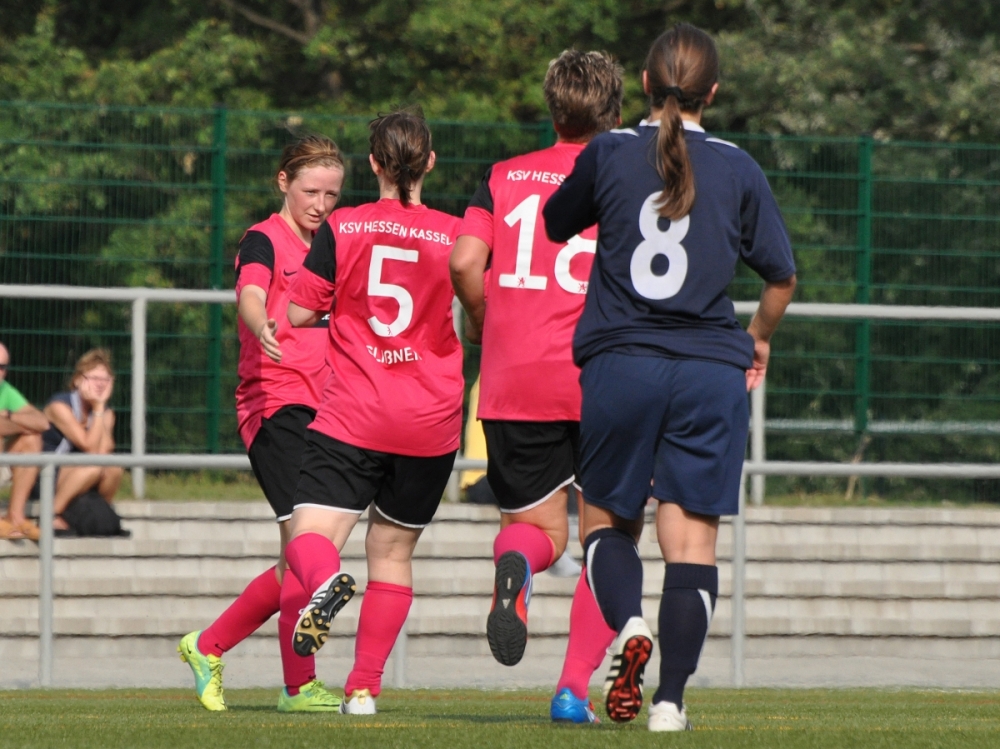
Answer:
(21, 427)
(82, 423)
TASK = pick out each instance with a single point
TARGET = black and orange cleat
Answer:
(623, 687)
(507, 625)
(314, 621)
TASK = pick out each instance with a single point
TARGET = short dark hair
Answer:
(583, 91)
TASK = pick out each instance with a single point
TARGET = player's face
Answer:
(312, 195)
(98, 381)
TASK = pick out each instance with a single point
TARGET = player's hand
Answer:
(267, 339)
(473, 332)
(105, 396)
(755, 375)
(86, 391)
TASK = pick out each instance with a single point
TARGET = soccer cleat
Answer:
(360, 702)
(312, 698)
(568, 708)
(666, 716)
(507, 624)
(314, 620)
(623, 687)
(207, 671)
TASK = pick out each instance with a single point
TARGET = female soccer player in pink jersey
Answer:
(282, 372)
(529, 399)
(388, 428)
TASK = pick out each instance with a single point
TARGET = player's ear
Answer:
(283, 181)
(711, 94)
(376, 167)
(645, 82)
(431, 161)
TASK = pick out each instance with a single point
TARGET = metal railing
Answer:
(49, 462)
(758, 467)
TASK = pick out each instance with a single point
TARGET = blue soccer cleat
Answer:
(568, 708)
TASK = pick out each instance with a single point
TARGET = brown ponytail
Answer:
(306, 152)
(401, 144)
(681, 69)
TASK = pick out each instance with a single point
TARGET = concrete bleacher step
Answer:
(820, 583)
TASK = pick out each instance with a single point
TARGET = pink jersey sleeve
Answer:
(478, 223)
(310, 291)
(253, 274)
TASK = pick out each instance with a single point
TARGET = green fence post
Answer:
(215, 277)
(546, 134)
(862, 360)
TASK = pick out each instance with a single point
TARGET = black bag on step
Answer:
(91, 515)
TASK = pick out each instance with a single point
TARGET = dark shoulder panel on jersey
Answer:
(483, 197)
(255, 247)
(322, 257)
(572, 208)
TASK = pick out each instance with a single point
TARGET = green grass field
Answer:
(437, 719)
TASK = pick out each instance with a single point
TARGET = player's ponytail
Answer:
(401, 144)
(681, 69)
(309, 151)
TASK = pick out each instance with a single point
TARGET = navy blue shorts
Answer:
(680, 423)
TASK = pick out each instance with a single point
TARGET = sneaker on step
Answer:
(207, 670)
(360, 702)
(629, 655)
(666, 716)
(313, 625)
(507, 624)
(313, 697)
(568, 708)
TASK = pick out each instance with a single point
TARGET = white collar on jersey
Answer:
(687, 125)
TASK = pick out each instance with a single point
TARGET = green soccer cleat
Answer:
(207, 671)
(312, 698)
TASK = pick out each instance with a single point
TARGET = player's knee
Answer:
(559, 538)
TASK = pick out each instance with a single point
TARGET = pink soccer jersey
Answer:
(534, 288)
(270, 256)
(392, 346)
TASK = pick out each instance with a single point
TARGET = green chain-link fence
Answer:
(110, 196)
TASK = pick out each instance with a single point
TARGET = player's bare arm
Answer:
(253, 312)
(468, 263)
(25, 420)
(300, 317)
(773, 300)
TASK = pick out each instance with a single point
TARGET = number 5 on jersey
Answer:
(376, 288)
(526, 213)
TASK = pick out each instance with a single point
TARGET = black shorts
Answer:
(529, 461)
(276, 453)
(339, 476)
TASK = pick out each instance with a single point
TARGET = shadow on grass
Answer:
(528, 720)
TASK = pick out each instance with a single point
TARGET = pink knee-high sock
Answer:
(254, 606)
(529, 540)
(383, 613)
(589, 639)
(313, 559)
(297, 670)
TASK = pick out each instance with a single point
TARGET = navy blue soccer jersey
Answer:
(659, 286)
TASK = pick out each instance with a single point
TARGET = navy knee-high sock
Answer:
(689, 593)
(614, 572)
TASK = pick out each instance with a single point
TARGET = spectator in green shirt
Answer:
(21, 427)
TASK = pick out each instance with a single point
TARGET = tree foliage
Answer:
(902, 69)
